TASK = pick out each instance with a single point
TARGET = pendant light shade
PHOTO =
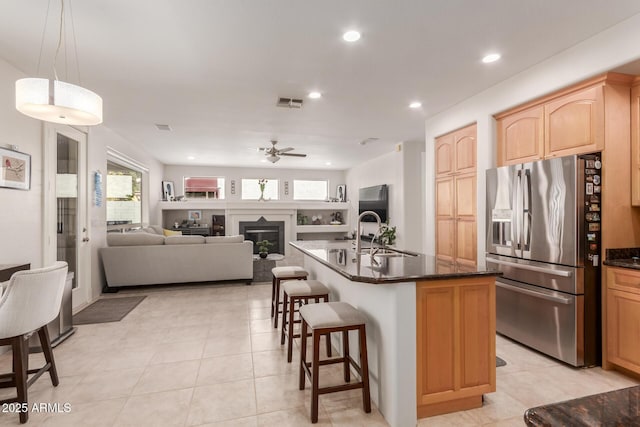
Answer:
(58, 102)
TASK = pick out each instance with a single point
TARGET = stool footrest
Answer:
(343, 387)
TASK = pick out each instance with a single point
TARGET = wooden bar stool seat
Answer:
(299, 291)
(323, 319)
(280, 274)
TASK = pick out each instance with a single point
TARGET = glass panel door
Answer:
(67, 203)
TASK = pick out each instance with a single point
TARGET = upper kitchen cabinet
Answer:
(635, 143)
(521, 136)
(570, 121)
(574, 123)
(456, 152)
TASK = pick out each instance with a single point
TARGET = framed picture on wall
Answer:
(168, 191)
(15, 169)
(341, 193)
(195, 216)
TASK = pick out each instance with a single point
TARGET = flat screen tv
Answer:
(374, 199)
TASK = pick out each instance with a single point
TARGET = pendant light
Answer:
(57, 101)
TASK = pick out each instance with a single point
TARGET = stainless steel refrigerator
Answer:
(543, 233)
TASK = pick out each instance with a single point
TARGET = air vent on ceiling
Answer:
(368, 140)
(163, 127)
(289, 103)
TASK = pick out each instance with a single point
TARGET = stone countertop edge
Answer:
(622, 257)
(420, 276)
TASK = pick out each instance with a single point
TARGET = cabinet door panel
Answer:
(465, 147)
(477, 341)
(466, 241)
(445, 238)
(623, 329)
(635, 146)
(465, 195)
(444, 155)
(521, 136)
(444, 197)
(574, 123)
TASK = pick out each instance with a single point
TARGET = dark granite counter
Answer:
(340, 256)
(614, 408)
(623, 257)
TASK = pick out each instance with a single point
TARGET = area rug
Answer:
(500, 362)
(107, 310)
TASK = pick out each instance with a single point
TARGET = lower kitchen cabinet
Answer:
(622, 345)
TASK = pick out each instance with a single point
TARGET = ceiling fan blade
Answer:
(263, 149)
(284, 150)
(293, 154)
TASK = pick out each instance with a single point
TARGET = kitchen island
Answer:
(430, 327)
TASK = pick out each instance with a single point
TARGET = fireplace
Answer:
(262, 229)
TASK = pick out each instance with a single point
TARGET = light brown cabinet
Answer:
(456, 344)
(456, 235)
(622, 319)
(571, 121)
(635, 143)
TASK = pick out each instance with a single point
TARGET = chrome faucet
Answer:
(358, 237)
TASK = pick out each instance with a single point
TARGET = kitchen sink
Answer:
(387, 252)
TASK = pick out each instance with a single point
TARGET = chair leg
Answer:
(45, 343)
(276, 304)
(20, 350)
(292, 312)
(327, 336)
(285, 301)
(303, 354)
(273, 293)
(314, 377)
(345, 346)
(364, 367)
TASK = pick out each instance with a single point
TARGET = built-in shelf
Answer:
(342, 228)
(253, 204)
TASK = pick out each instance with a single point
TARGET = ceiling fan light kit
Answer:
(273, 154)
(57, 101)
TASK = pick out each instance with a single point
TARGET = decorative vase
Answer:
(261, 199)
(263, 254)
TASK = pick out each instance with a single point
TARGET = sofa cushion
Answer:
(183, 240)
(134, 239)
(156, 229)
(225, 239)
(171, 232)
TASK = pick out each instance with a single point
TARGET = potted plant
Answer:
(263, 248)
(387, 234)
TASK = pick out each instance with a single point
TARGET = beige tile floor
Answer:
(207, 356)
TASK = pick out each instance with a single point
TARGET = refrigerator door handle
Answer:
(559, 300)
(550, 271)
(517, 209)
(526, 196)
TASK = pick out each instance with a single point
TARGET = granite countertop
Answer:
(340, 256)
(623, 257)
(613, 408)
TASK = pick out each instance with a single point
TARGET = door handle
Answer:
(551, 271)
(559, 300)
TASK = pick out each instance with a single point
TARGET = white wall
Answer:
(612, 48)
(20, 211)
(176, 173)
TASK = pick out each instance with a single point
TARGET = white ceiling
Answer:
(213, 69)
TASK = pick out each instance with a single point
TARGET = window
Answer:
(251, 189)
(124, 196)
(310, 190)
(204, 187)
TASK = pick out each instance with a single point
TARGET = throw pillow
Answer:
(171, 232)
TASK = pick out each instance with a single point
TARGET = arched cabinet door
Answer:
(445, 155)
(521, 136)
(465, 149)
(574, 123)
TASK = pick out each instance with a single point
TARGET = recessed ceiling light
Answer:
(191, 158)
(493, 57)
(328, 163)
(415, 104)
(263, 161)
(351, 36)
(315, 95)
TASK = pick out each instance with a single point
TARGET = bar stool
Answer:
(298, 291)
(280, 274)
(323, 319)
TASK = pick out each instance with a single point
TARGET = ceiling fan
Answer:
(273, 154)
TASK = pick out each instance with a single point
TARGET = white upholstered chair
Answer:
(30, 300)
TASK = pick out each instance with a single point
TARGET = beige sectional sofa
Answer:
(148, 257)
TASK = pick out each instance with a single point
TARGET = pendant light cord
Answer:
(44, 32)
(55, 58)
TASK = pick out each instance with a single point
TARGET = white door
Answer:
(66, 230)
